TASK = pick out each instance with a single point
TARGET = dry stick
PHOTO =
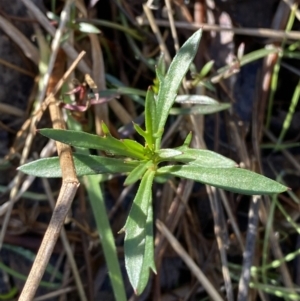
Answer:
(64, 201)
(66, 245)
(44, 22)
(260, 32)
(189, 262)
(175, 212)
(221, 235)
(232, 219)
(17, 36)
(172, 25)
(249, 252)
(15, 195)
(98, 74)
(57, 73)
(155, 29)
(285, 152)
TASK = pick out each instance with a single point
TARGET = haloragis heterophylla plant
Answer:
(142, 162)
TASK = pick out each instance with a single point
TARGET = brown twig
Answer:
(260, 32)
(189, 262)
(64, 201)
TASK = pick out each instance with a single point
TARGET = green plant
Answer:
(142, 162)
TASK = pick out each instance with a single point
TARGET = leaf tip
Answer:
(122, 231)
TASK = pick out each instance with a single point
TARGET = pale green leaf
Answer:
(84, 165)
(88, 28)
(201, 109)
(203, 157)
(172, 80)
(196, 99)
(139, 257)
(167, 153)
(233, 179)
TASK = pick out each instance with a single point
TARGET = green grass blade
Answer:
(290, 114)
(107, 239)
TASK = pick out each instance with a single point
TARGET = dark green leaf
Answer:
(107, 143)
(233, 179)
(139, 257)
(134, 146)
(84, 165)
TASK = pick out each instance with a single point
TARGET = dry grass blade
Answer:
(155, 29)
(220, 228)
(221, 237)
(260, 32)
(17, 68)
(98, 71)
(8, 109)
(70, 51)
(189, 262)
(29, 50)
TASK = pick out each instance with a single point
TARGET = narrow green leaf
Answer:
(105, 128)
(161, 67)
(139, 256)
(131, 91)
(171, 82)
(108, 143)
(206, 69)
(233, 179)
(84, 165)
(167, 153)
(139, 130)
(150, 115)
(137, 173)
(134, 147)
(196, 99)
(252, 56)
(200, 110)
(89, 28)
(203, 157)
(97, 201)
(187, 140)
